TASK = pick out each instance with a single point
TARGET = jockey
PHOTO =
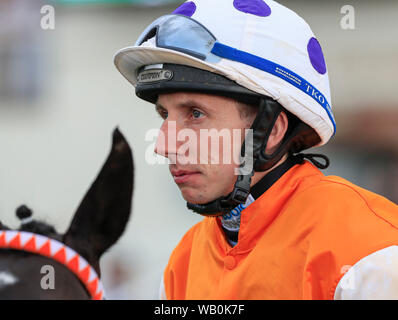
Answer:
(274, 227)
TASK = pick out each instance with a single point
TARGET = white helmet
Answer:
(261, 45)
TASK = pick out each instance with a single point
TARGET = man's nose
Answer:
(166, 143)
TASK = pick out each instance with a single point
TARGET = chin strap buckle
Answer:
(239, 194)
(219, 206)
(241, 189)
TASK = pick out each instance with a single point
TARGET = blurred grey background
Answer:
(61, 97)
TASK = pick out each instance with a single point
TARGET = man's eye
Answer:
(164, 115)
(197, 114)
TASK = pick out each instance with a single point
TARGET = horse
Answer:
(37, 262)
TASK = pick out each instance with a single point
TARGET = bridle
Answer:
(58, 251)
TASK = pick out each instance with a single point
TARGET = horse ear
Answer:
(103, 214)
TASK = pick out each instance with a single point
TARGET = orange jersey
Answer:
(296, 241)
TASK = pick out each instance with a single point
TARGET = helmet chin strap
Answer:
(225, 204)
(268, 113)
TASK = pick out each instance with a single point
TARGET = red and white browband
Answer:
(53, 249)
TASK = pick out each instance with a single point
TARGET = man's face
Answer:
(193, 123)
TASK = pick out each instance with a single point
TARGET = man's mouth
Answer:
(182, 176)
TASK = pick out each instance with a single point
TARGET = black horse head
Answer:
(98, 223)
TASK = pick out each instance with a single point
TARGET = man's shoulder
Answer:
(337, 199)
(334, 190)
(344, 222)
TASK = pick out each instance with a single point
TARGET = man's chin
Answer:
(196, 196)
(193, 196)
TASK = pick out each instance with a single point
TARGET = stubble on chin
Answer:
(197, 195)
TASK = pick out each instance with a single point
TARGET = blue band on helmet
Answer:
(300, 83)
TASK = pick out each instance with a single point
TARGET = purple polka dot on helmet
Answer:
(186, 9)
(316, 55)
(256, 7)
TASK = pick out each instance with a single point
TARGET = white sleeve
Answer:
(374, 277)
(162, 291)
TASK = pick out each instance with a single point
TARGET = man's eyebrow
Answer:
(192, 103)
(185, 104)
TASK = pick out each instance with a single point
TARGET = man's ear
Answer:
(277, 133)
(103, 214)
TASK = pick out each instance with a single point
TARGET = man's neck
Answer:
(259, 175)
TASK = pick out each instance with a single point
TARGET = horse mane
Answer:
(3, 227)
(39, 227)
(34, 226)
